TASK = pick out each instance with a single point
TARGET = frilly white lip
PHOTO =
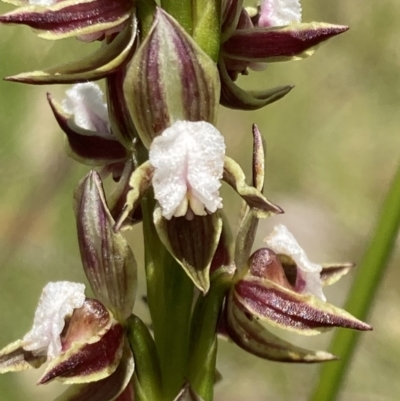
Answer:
(85, 103)
(279, 12)
(308, 280)
(58, 300)
(188, 161)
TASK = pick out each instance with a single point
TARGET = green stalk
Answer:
(203, 341)
(207, 26)
(145, 10)
(366, 284)
(147, 368)
(170, 294)
(181, 10)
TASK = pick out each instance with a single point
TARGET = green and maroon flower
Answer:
(273, 32)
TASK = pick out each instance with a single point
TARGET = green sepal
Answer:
(234, 176)
(108, 58)
(139, 184)
(232, 96)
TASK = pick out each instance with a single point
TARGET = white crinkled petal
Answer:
(58, 300)
(281, 241)
(188, 157)
(85, 103)
(279, 12)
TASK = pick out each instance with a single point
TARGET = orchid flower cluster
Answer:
(166, 69)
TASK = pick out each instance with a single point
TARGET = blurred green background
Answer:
(333, 147)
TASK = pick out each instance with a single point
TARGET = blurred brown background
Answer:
(333, 147)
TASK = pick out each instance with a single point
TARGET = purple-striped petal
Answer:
(254, 338)
(295, 41)
(157, 95)
(284, 308)
(109, 263)
(71, 18)
(192, 243)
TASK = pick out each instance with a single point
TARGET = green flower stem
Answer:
(207, 26)
(181, 10)
(366, 284)
(145, 13)
(147, 367)
(170, 295)
(203, 341)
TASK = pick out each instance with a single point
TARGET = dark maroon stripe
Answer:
(288, 310)
(256, 44)
(89, 147)
(91, 358)
(72, 17)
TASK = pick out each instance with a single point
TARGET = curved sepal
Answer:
(70, 17)
(249, 221)
(234, 176)
(192, 243)
(286, 309)
(107, 389)
(245, 239)
(87, 147)
(231, 10)
(13, 358)
(157, 95)
(109, 263)
(103, 62)
(254, 338)
(330, 273)
(139, 183)
(293, 42)
(117, 198)
(93, 348)
(234, 97)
